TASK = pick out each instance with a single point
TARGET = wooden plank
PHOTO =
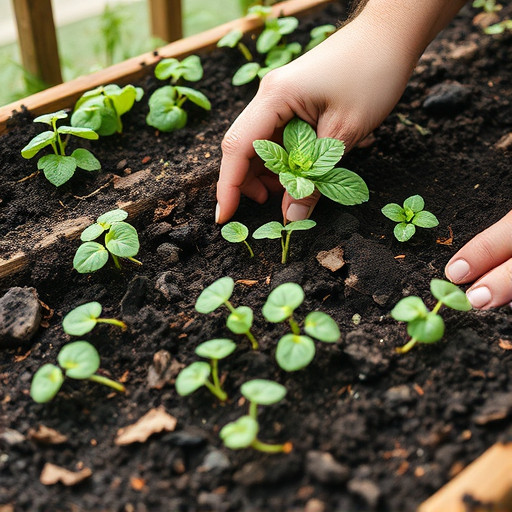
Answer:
(166, 19)
(487, 480)
(65, 95)
(37, 39)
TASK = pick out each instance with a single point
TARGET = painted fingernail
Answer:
(297, 211)
(217, 213)
(479, 297)
(457, 270)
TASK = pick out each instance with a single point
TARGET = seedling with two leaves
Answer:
(307, 162)
(101, 109)
(217, 294)
(409, 216)
(83, 319)
(197, 374)
(79, 360)
(426, 326)
(121, 241)
(243, 433)
(57, 167)
(166, 111)
(295, 351)
(236, 232)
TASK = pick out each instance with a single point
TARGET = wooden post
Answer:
(37, 39)
(166, 20)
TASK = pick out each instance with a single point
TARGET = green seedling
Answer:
(166, 111)
(57, 167)
(243, 432)
(319, 35)
(423, 325)
(83, 319)
(274, 230)
(307, 162)
(409, 216)
(498, 28)
(275, 29)
(79, 360)
(101, 109)
(197, 374)
(236, 232)
(487, 5)
(295, 351)
(121, 241)
(217, 294)
(234, 39)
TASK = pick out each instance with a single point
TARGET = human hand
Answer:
(487, 258)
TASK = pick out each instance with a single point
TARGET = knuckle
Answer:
(485, 247)
(231, 141)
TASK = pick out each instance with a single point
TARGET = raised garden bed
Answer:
(397, 426)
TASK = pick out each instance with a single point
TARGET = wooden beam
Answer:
(166, 19)
(37, 39)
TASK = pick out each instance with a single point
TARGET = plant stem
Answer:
(116, 261)
(108, 382)
(251, 252)
(286, 247)
(437, 307)
(252, 339)
(253, 410)
(272, 448)
(134, 260)
(215, 373)
(294, 325)
(245, 52)
(229, 306)
(112, 321)
(407, 346)
(217, 392)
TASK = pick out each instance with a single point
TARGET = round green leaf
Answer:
(246, 73)
(240, 433)
(270, 230)
(82, 319)
(231, 39)
(234, 232)
(37, 143)
(282, 301)
(300, 225)
(274, 156)
(322, 327)
(450, 295)
(83, 133)
(240, 320)
(90, 257)
(428, 329)
(79, 359)
(192, 377)
(299, 136)
(294, 352)
(296, 186)
(263, 392)
(404, 231)
(215, 295)
(287, 25)
(267, 40)
(409, 308)
(167, 118)
(112, 216)
(122, 240)
(278, 57)
(196, 97)
(166, 68)
(327, 152)
(91, 232)
(425, 219)
(86, 160)
(322, 30)
(87, 117)
(46, 383)
(192, 70)
(415, 203)
(48, 118)
(394, 212)
(57, 168)
(216, 349)
(343, 186)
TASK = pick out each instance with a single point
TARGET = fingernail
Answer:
(297, 211)
(217, 213)
(479, 297)
(457, 270)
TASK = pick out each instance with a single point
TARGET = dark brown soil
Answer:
(399, 426)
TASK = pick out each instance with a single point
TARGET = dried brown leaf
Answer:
(52, 474)
(332, 259)
(46, 435)
(505, 344)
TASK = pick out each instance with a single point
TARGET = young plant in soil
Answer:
(423, 325)
(243, 432)
(306, 163)
(82, 319)
(217, 294)
(197, 374)
(320, 34)
(57, 167)
(236, 232)
(101, 109)
(121, 241)
(79, 360)
(166, 111)
(273, 230)
(295, 351)
(409, 216)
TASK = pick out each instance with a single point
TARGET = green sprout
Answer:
(275, 29)
(236, 232)
(166, 111)
(243, 432)
(498, 28)
(217, 294)
(197, 374)
(426, 326)
(79, 360)
(307, 162)
(121, 241)
(101, 109)
(82, 319)
(294, 350)
(59, 168)
(320, 34)
(234, 38)
(274, 229)
(411, 215)
(487, 5)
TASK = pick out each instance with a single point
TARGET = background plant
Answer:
(57, 167)
(423, 325)
(83, 319)
(236, 232)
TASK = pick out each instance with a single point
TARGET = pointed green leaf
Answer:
(294, 352)
(57, 169)
(192, 378)
(37, 143)
(415, 203)
(343, 186)
(428, 329)
(409, 308)
(297, 187)
(240, 433)
(216, 349)
(48, 118)
(92, 232)
(90, 257)
(215, 295)
(122, 240)
(246, 73)
(196, 97)
(274, 156)
(271, 230)
(425, 219)
(231, 39)
(263, 392)
(300, 225)
(299, 136)
(322, 327)
(240, 320)
(84, 133)
(326, 154)
(450, 295)
(86, 160)
(234, 232)
(79, 359)
(282, 302)
(404, 231)
(46, 383)
(82, 319)
(394, 212)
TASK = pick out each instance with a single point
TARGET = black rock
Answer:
(447, 98)
(135, 296)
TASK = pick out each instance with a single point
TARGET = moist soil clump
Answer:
(371, 429)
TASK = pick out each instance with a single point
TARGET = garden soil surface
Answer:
(371, 429)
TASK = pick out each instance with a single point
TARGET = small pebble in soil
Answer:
(215, 461)
(322, 466)
(166, 285)
(20, 315)
(447, 98)
(497, 407)
(134, 297)
(365, 489)
(168, 253)
(185, 438)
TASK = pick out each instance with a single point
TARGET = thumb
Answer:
(299, 209)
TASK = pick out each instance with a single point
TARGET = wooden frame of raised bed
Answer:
(488, 480)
